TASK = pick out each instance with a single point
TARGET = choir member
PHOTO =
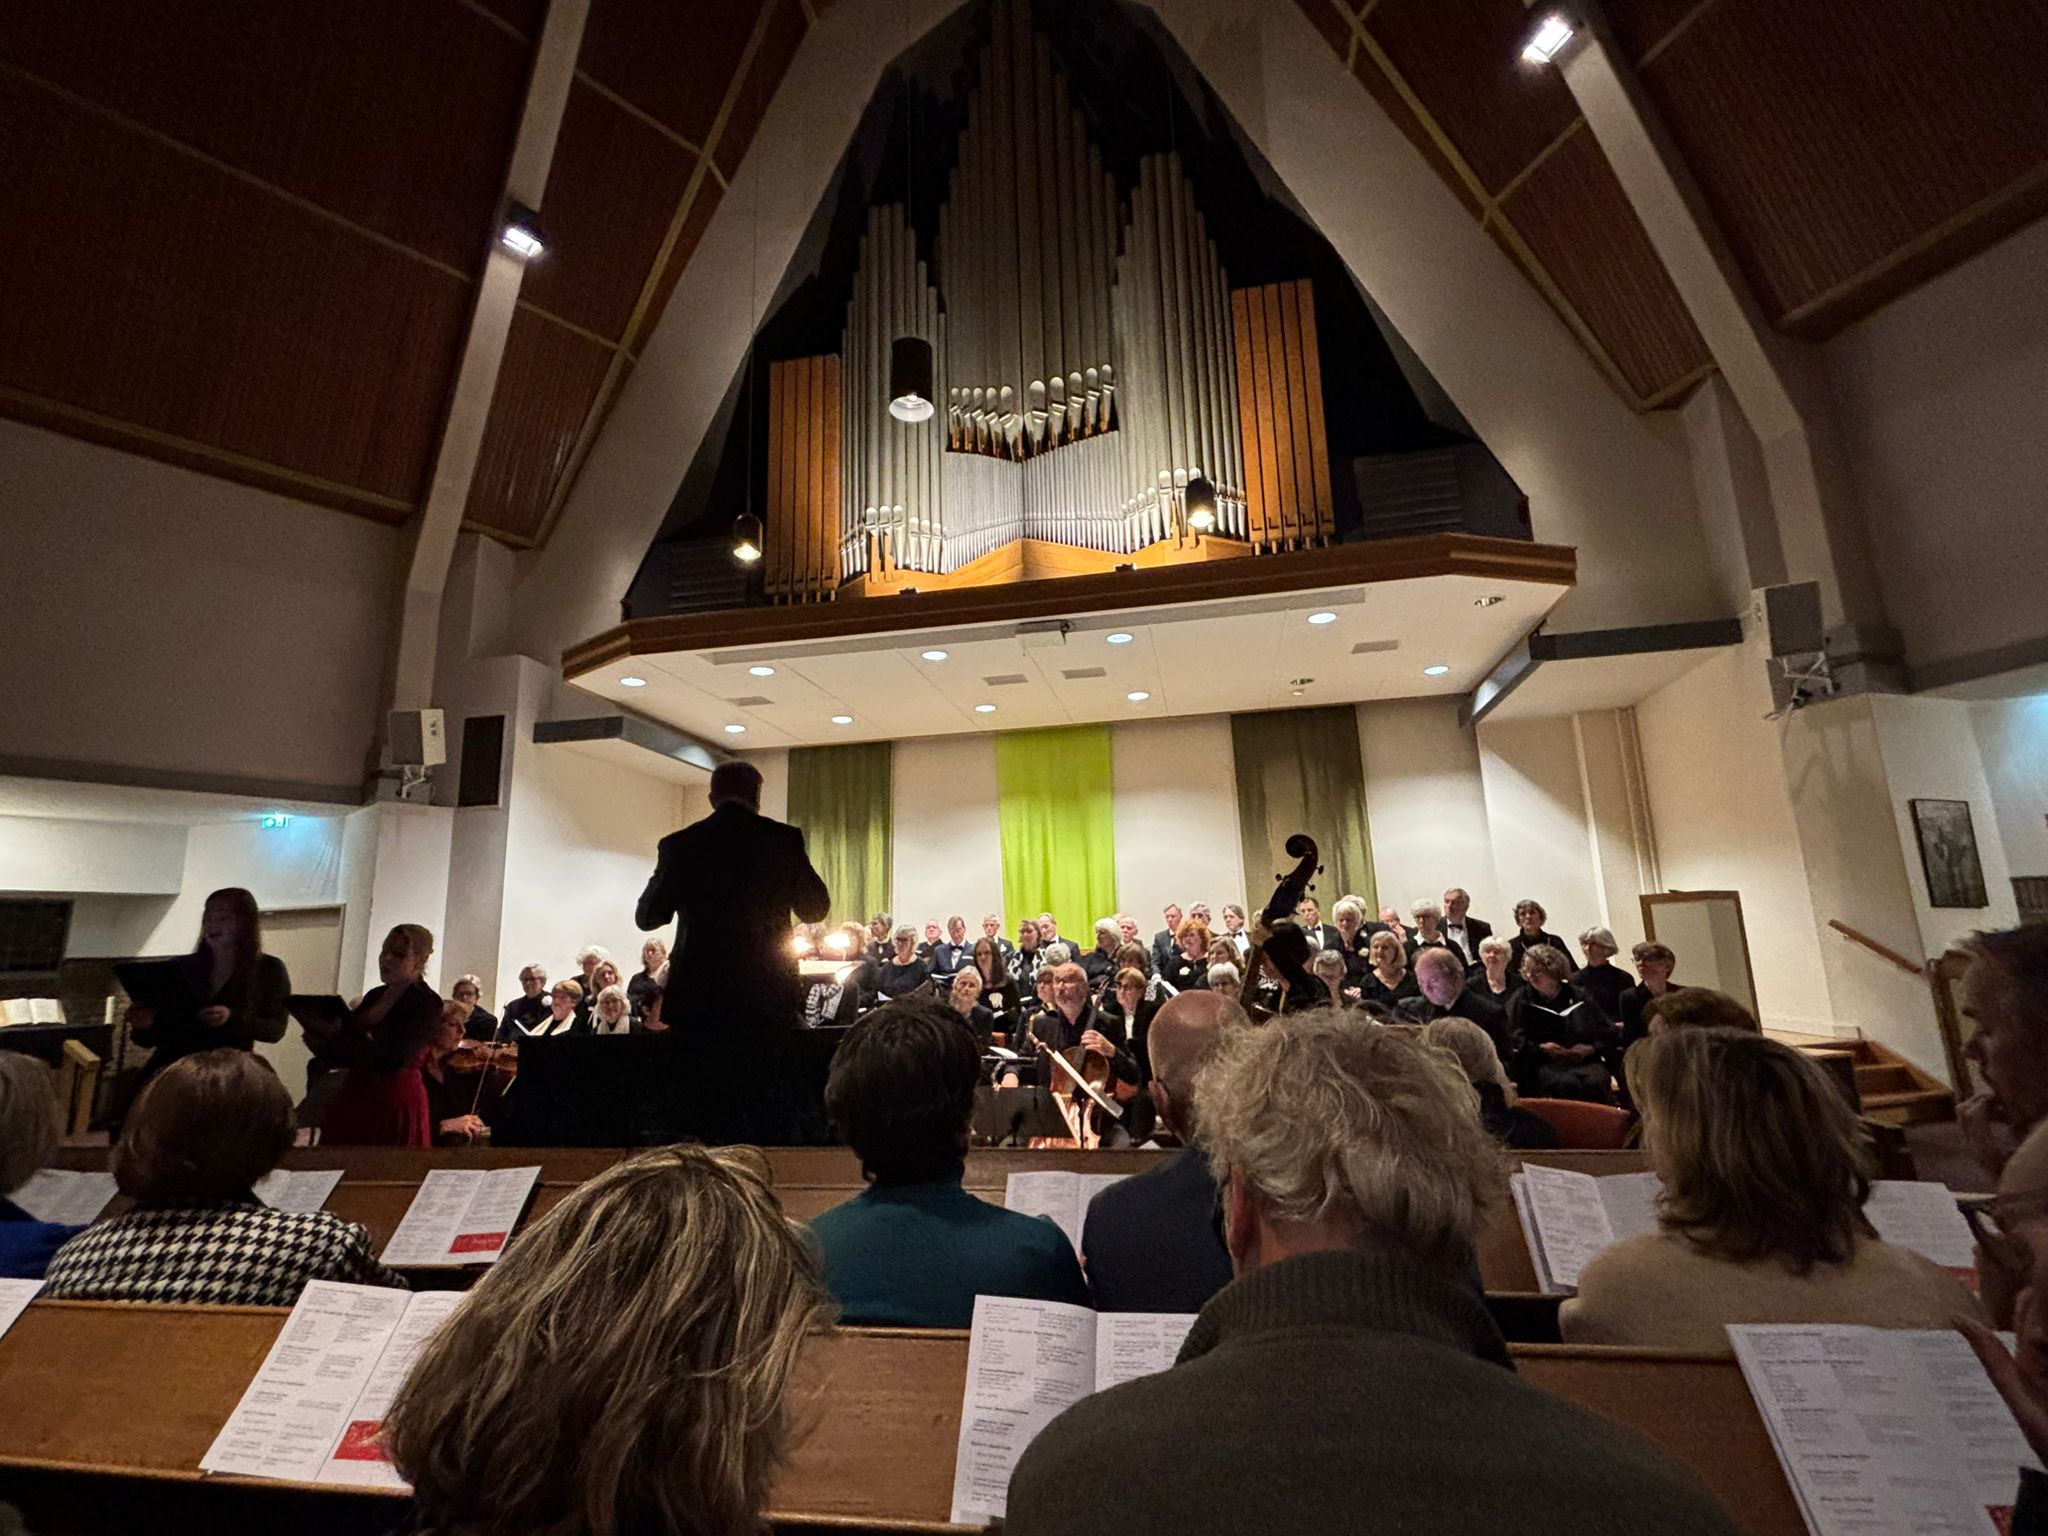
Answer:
(653, 956)
(1442, 993)
(1387, 981)
(1328, 968)
(992, 930)
(235, 992)
(953, 952)
(1233, 925)
(905, 970)
(1654, 964)
(587, 959)
(1320, 935)
(1567, 1038)
(1529, 932)
(1024, 958)
(1463, 932)
(531, 1006)
(1187, 968)
(380, 1042)
(610, 1014)
(478, 1022)
(1495, 980)
(1351, 936)
(1429, 928)
(1600, 978)
(1167, 939)
(565, 1011)
(1100, 962)
(998, 991)
(1127, 930)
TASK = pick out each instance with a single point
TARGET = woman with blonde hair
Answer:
(624, 1368)
(1388, 980)
(653, 956)
(1761, 1216)
(383, 1102)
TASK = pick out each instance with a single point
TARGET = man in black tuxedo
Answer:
(1152, 1243)
(1464, 934)
(731, 882)
(1166, 942)
(1321, 935)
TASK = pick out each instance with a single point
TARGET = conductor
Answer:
(731, 882)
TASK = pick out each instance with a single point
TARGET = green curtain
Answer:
(1298, 770)
(840, 797)
(1054, 812)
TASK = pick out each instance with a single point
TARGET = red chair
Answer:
(1582, 1127)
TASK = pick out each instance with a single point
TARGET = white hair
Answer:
(1348, 904)
(1059, 952)
(1326, 959)
(595, 952)
(1225, 977)
(1109, 926)
(613, 994)
(1433, 908)
(1492, 946)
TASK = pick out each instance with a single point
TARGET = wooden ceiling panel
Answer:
(1640, 25)
(397, 115)
(153, 294)
(670, 58)
(549, 383)
(1835, 142)
(1332, 18)
(1395, 105)
(1577, 221)
(1463, 58)
(780, 39)
(614, 186)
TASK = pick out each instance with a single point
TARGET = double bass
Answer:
(1285, 950)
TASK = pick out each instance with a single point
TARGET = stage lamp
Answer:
(1201, 504)
(746, 538)
(799, 945)
(910, 379)
(1548, 37)
(835, 943)
(521, 233)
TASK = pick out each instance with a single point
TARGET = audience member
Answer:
(1697, 1008)
(382, 1102)
(1152, 1243)
(1496, 979)
(1166, 942)
(1474, 1050)
(1462, 932)
(1529, 932)
(1761, 1217)
(527, 1010)
(2021, 1377)
(31, 1125)
(653, 956)
(234, 994)
(1187, 968)
(1600, 978)
(1387, 980)
(904, 971)
(478, 1022)
(1347, 1380)
(451, 1096)
(1566, 1039)
(2005, 995)
(1654, 964)
(200, 1136)
(1441, 993)
(623, 1368)
(914, 1249)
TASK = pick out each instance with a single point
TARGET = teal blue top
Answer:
(916, 1255)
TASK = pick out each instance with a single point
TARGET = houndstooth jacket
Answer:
(218, 1252)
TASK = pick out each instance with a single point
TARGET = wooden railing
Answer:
(1910, 967)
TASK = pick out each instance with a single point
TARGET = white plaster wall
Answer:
(1427, 806)
(2012, 739)
(948, 854)
(113, 927)
(164, 620)
(409, 883)
(1722, 811)
(1941, 402)
(1930, 753)
(63, 855)
(774, 766)
(1176, 818)
(1535, 807)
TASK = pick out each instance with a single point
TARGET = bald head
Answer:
(1184, 1035)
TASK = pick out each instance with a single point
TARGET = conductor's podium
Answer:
(109, 1408)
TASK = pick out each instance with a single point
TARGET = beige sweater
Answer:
(1659, 1291)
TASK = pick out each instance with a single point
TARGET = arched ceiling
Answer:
(244, 236)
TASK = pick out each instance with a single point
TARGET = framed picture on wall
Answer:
(1948, 853)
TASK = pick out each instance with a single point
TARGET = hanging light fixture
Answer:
(746, 538)
(910, 379)
(1201, 503)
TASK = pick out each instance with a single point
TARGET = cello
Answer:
(1283, 950)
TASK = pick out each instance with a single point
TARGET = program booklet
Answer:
(66, 1196)
(1568, 1218)
(460, 1216)
(1029, 1361)
(1062, 1197)
(1885, 1431)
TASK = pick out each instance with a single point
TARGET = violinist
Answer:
(478, 1022)
(452, 1096)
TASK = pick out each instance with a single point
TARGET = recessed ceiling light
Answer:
(1297, 693)
(1322, 618)
(1547, 39)
(842, 719)
(934, 655)
(1139, 697)
(760, 671)
(1119, 638)
(1436, 671)
(735, 730)
(1491, 600)
(632, 682)
(984, 709)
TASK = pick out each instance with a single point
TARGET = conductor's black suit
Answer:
(731, 882)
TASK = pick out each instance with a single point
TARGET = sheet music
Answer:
(297, 1189)
(358, 1457)
(15, 1295)
(460, 1216)
(294, 1412)
(1133, 1344)
(1061, 1197)
(1923, 1217)
(1027, 1362)
(45, 1010)
(1885, 1432)
(66, 1197)
(1631, 1202)
(1569, 1219)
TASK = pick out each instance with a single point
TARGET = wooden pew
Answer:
(79, 1446)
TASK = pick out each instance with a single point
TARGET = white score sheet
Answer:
(460, 1216)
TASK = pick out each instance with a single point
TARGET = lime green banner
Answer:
(1054, 809)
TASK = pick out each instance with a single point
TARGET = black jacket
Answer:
(1518, 946)
(1605, 984)
(1153, 1243)
(1476, 933)
(731, 882)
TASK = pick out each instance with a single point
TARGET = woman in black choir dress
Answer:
(1188, 970)
(998, 991)
(478, 1022)
(1349, 917)
(237, 992)
(965, 997)
(451, 1096)
(1130, 1007)
(904, 971)
(1024, 958)
(1388, 980)
(1529, 932)
(653, 956)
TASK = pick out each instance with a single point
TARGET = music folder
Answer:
(159, 984)
(316, 1010)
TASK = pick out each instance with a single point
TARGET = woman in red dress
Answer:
(384, 1103)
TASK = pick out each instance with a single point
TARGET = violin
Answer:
(495, 1068)
(1288, 960)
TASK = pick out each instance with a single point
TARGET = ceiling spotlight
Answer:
(1547, 38)
(934, 655)
(842, 719)
(1119, 638)
(1201, 504)
(735, 730)
(1491, 600)
(1298, 692)
(746, 538)
(1436, 671)
(984, 709)
(910, 379)
(1139, 697)
(1322, 618)
(760, 671)
(629, 681)
(521, 233)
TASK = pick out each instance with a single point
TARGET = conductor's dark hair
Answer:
(736, 781)
(901, 1090)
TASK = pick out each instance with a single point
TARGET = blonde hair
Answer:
(1318, 1118)
(623, 1367)
(31, 1119)
(1386, 940)
(1756, 1146)
(1473, 1049)
(611, 994)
